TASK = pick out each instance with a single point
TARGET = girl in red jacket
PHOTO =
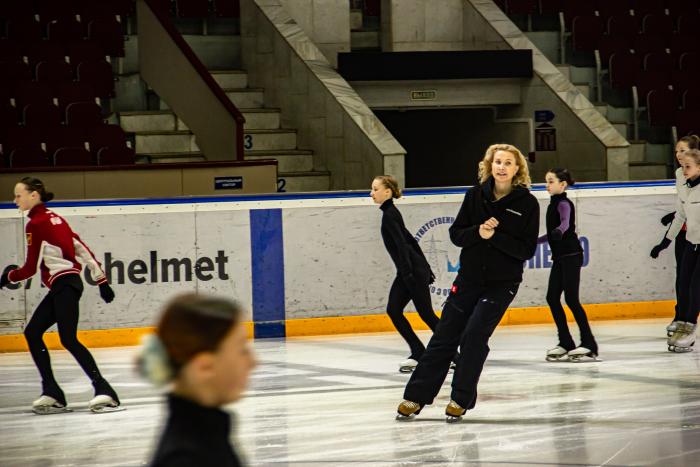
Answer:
(55, 249)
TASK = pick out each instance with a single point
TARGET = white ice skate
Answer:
(454, 412)
(557, 354)
(671, 328)
(582, 354)
(408, 410)
(683, 339)
(408, 365)
(47, 405)
(104, 404)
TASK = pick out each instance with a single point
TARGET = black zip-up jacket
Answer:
(501, 258)
(195, 435)
(569, 244)
(401, 245)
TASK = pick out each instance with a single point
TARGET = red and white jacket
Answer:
(52, 244)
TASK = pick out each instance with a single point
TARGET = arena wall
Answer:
(315, 263)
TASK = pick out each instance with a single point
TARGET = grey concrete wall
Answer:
(326, 22)
(422, 25)
(586, 142)
(347, 138)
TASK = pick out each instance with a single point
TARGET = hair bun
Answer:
(153, 362)
(48, 196)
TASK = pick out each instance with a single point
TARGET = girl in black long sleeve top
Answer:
(565, 275)
(201, 346)
(496, 228)
(413, 271)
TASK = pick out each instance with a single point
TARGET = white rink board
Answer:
(335, 263)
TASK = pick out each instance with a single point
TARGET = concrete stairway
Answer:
(162, 137)
(647, 161)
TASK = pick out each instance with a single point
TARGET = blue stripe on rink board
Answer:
(267, 258)
(322, 195)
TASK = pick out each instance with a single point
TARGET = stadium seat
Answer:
(658, 61)
(109, 34)
(53, 74)
(232, 8)
(661, 107)
(40, 117)
(192, 8)
(30, 92)
(689, 61)
(19, 138)
(74, 92)
(28, 157)
(107, 136)
(24, 29)
(587, 31)
(62, 137)
(65, 30)
(687, 121)
(72, 156)
(657, 24)
(691, 99)
(84, 117)
(115, 156)
(623, 26)
(649, 7)
(623, 69)
(99, 76)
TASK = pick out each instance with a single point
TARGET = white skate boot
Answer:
(583, 354)
(105, 400)
(683, 339)
(408, 365)
(557, 354)
(671, 328)
(47, 405)
(454, 412)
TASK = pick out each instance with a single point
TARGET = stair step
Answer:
(170, 157)
(602, 109)
(364, 40)
(184, 141)
(637, 151)
(230, 78)
(305, 181)
(648, 171)
(160, 142)
(621, 128)
(287, 161)
(165, 120)
(245, 98)
(269, 140)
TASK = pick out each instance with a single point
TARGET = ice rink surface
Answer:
(332, 401)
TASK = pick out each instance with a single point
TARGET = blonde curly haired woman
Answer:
(497, 229)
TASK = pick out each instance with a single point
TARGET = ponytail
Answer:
(34, 184)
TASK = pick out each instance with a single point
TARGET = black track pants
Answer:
(61, 307)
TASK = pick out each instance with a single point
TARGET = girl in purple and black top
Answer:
(565, 276)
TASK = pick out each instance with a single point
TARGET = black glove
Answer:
(5, 279)
(668, 218)
(106, 292)
(658, 248)
(556, 235)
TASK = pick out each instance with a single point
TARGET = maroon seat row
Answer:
(61, 145)
(45, 51)
(665, 108)
(108, 32)
(570, 9)
(49, 10)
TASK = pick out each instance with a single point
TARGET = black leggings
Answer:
(689, 284)
(566, 277)
(679, 248)
(400, 294)
(60, 306)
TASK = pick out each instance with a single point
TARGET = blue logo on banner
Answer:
(544, 116)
